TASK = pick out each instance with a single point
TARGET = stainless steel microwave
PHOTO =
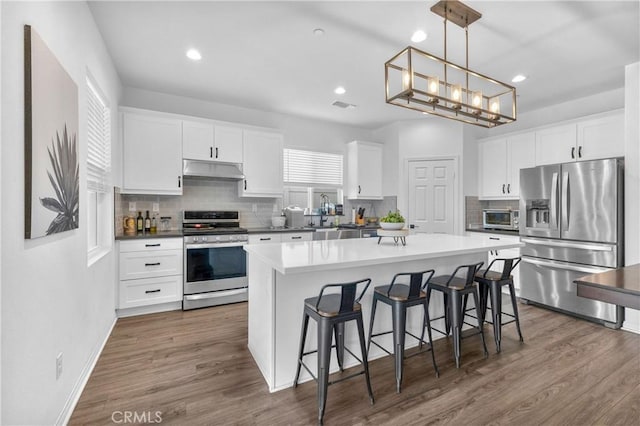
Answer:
(500, 219)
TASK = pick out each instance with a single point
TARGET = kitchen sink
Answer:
(335, 234)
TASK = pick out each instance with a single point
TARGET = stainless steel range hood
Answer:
(208, 170)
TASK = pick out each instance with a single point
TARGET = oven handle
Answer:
(214, 245)
(215, 294)
(566, 266)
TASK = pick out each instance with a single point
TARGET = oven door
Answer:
(214, 267)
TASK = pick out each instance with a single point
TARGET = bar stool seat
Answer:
(332, 312)
(400, 297)
(454, 288)
(491, 283)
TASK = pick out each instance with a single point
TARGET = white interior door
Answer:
(431, 188)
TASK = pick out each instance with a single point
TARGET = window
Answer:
(98, 173)
(311, 167)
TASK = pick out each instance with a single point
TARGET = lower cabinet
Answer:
(150, 272)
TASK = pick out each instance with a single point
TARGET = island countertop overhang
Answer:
(312, 256)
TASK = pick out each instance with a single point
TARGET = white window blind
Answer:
(311, 167)
(98, 142)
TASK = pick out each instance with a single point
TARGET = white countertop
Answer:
(309, 256)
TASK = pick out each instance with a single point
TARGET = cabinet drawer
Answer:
(264, 238)
(150, 291)
(141, 264)
(151, 244)
(296, 236)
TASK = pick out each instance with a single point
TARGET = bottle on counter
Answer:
(139, 223)
(154, 224)
(147, 223)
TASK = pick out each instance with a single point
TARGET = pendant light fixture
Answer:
(423, 82)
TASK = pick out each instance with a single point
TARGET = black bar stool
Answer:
(400, 297)
(453, 289)
(331, 312)
(491, 282)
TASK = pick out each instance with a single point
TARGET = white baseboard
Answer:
(74, 397)
(151, 309)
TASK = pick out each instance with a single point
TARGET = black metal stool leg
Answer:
(496, 312)
(483, 290)
(447, 313)
(455, 310)
(324, 357)
(338, 330)
(365, 355)
(514, 303)
(303, 337)
(373, 316)
(427, 325)
(399, 313)
(481, 329)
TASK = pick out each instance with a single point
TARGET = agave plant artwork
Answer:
(65, 182)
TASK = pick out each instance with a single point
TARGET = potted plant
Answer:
(392, 221)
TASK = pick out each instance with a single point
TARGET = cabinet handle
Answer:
(265, 239)
(152, 291)
(359, 189)
(179, 181)
(580, 151)
(295, 238)
(210, 152)
(152, 245)
(508, 188)
(216, 152)
(494, 238)
(573, 152)
(152, 264)
(503, 188)
(245, 184)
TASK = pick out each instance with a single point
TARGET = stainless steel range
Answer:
(215, 271)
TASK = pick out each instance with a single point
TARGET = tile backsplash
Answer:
(474, 207)
(223, 195)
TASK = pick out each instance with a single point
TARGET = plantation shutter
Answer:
(98, 142)
(311, 167)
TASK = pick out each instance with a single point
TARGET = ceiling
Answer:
(264, 55)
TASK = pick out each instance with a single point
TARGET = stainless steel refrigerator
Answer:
(571, 221)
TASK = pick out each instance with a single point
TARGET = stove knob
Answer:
(218, 238)
(233, 238)
(204, 239)
(195, 239)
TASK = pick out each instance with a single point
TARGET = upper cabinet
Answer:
(500, 163)
(208, 142)
(595, 137)
(364, 171)
(152, 154)
(261, 164)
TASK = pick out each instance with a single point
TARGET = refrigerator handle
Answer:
(565, 202)
(554, 201)
(566, 266)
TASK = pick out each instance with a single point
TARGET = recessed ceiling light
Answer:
(318, 32)
(194, 55)
(340, 90)
(419, 36)
(518, 78)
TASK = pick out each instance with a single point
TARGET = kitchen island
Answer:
(281, 276)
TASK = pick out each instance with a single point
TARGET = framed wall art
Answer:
(52, 189)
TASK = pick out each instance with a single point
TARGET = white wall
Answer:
(390, 164)
(51, 300)
(0, 217)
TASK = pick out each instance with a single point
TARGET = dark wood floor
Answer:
(194, 368)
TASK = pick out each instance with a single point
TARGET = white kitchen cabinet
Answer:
(364, 170)
(601, 137)
(269, 238)
(205, 141)
(280, 237)
(150, 272)
(261, 164)
(152, 154)
(500, 163)
(590, 138)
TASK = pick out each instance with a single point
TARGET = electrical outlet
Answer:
(132, 206)
(59, 366)
(156, 207)
(254, 208)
